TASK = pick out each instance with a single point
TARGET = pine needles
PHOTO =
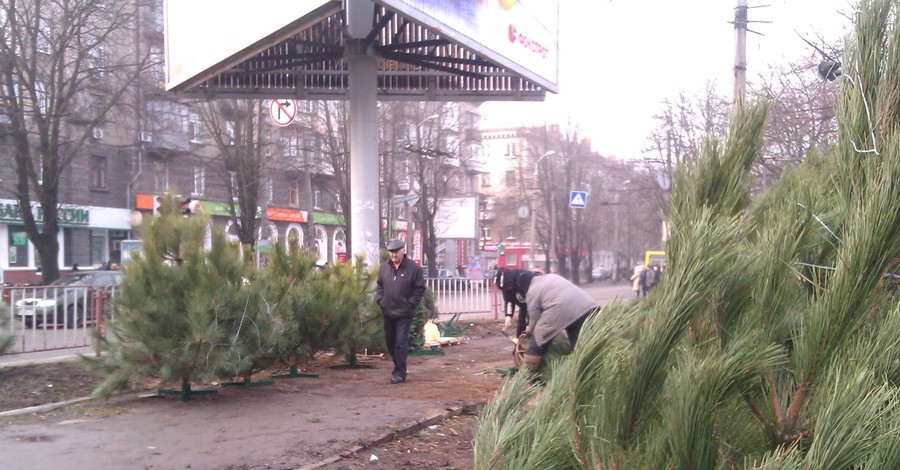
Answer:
(771, 342)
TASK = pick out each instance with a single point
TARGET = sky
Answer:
(620, 59)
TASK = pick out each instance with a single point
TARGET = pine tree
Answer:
(771, 340)
(175, 313)
(356, 306)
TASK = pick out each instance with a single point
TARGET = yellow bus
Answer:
(655, 258)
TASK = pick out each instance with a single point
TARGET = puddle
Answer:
(35, 438)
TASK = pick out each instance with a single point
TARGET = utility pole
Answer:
(740, 54)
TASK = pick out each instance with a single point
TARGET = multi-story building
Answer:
(152, 142)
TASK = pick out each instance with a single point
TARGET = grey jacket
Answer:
(398, 291)
(554, 303)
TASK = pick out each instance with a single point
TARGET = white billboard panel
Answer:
(521, 35)
(201, 35)
(456, 217)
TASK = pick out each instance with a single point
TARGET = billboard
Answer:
(521, 35)
(207, 36)
(456, 217)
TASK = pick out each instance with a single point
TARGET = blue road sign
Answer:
(578, 199)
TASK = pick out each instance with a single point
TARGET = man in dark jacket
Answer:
(399, 288)
(507, 282)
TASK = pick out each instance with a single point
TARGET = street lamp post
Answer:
(616, 231)
(534, 211)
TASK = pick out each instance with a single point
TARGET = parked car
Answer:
(446, 279)
(65, 301)
(601, 274)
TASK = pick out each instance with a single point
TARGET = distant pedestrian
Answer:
(636, 280)
(648, 280)
(398, 289)
(75, 267)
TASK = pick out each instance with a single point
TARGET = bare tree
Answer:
(430, 145)
(52, 53)
(334, 122)
(243, 160)
(683, 123)
(802, 115)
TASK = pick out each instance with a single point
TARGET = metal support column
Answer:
(363, 99)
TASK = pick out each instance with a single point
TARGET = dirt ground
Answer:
(294, 423)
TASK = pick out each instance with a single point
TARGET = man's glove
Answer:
(507, 322)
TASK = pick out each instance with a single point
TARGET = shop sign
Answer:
(327, 218)
(66, 215)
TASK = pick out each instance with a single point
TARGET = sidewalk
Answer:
(297, 423)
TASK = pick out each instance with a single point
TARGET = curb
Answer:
(43, 408)
(404, 430)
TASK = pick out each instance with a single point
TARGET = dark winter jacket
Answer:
(398, 291)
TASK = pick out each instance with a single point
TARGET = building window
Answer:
(485, 233)
(290, 146)
(18, 247)
(485, 180)
(510, 232)
(317, 199)
(98, 172)
(98, 247)
(195, 127)
(199, 181)
(95, 56)
(294, 197)
(510, 178)
(157, 66)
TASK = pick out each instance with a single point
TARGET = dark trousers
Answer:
(572, 331)
(396, 335)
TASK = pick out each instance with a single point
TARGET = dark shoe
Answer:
(397, 379)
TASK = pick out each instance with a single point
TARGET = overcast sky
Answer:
(620, 59)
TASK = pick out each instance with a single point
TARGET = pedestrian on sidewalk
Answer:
(636, 280)
(398, 289)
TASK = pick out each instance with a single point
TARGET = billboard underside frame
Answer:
(415, 64)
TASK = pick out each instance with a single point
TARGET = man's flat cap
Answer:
(395, 245)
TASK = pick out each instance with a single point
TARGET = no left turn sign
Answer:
(283, 111)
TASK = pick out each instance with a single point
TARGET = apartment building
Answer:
(148, 142)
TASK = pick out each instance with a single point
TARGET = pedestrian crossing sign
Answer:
(577, 199)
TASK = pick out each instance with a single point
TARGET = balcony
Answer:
(166, 141)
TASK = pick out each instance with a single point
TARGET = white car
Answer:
(66, 301)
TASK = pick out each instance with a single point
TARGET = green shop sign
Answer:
(327, 218)
(67, 215)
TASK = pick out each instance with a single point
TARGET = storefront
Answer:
(89, 236)
(326, 222)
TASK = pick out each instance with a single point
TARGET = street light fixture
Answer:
(533, 211)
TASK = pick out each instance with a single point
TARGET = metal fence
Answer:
(463, 295)
(43, 318)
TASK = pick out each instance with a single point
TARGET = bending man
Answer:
(554, 304)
